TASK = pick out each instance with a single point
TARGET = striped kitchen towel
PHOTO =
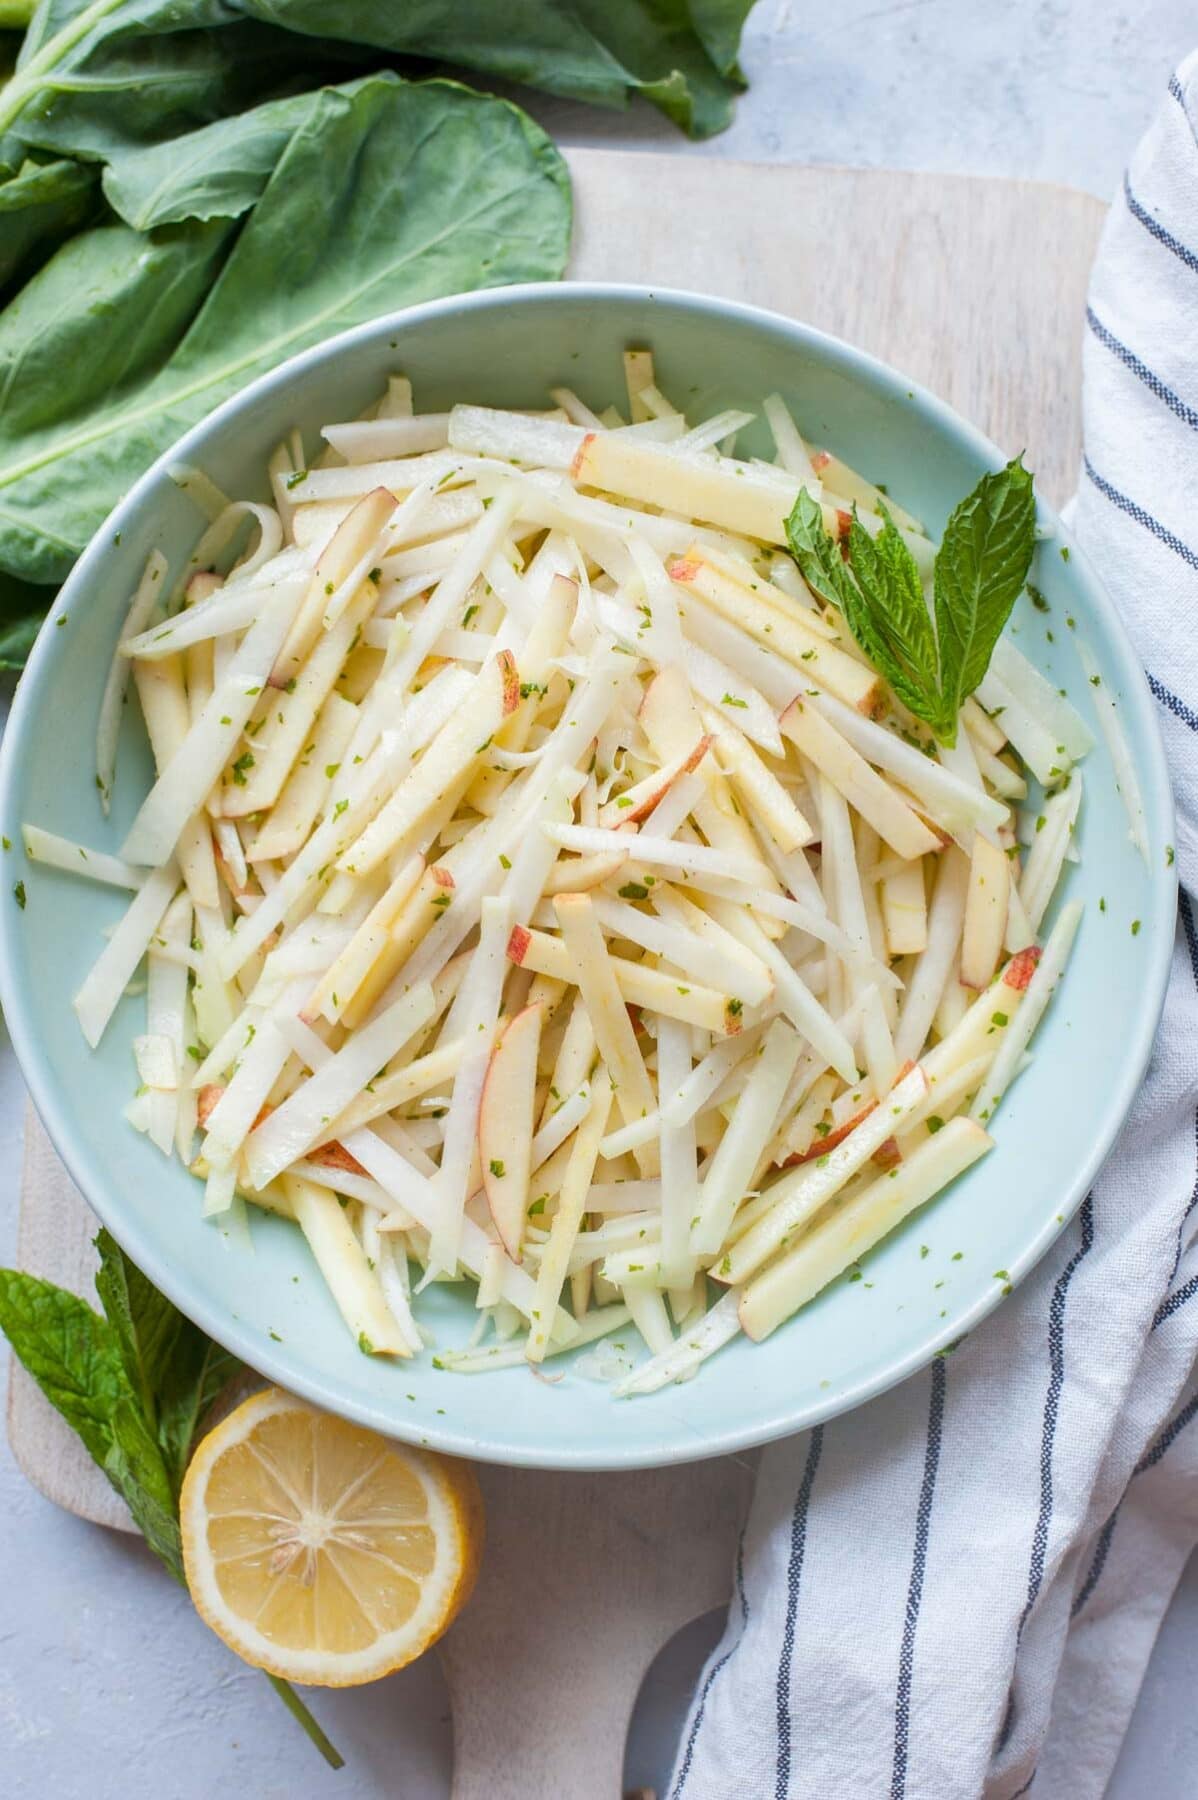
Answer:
(954, 1591)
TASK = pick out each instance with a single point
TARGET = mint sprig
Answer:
(980, 569)
(135, 1384)
(981, 566)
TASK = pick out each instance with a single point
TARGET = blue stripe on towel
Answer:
(688, 1754)
(1052, 1406)
(1148, 1461)
(1140, 213)
(1152, 381)
(1168, 1436)
(1186, 914)
(1174, 1302)
(794, 1576)
(1135, 511)
(923, 1521)
(1097, 1563)
(1171, 702)
(1171, 1304)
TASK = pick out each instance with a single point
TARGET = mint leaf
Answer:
(881, 598)
(135, 1386)
(981, 566)
(173, 1368)
(143, 1321)
(76, 1359)
(892, 610)
(819, 560)
(197, 1373)
(70, 1352)
(980, 569)
(136, 1470)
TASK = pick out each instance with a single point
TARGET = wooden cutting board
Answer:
(975, 288)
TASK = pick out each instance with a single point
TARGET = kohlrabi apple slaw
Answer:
(584, 862)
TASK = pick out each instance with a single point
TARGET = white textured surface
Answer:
(109, 1684)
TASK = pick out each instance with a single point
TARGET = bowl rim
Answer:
(779, 1420)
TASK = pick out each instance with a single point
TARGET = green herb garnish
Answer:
(980, 569)
(136, 1385)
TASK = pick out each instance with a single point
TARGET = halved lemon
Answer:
(323, 1552)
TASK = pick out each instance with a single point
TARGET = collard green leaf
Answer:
(981, 566)
(682, 55)
(70, 1351)
(170, 65)
(718, 25)
(17, 639)
(218, 172)
(111, 306)
(23, 606)
(390, 193)
(95, 76)
(111, 81)
(39, 205)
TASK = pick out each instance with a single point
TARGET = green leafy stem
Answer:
(135, 1384)
(933, 659)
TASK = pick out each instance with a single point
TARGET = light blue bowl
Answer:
(506, 348)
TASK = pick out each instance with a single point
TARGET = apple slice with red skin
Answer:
(330, 1155)
(506, 1119)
